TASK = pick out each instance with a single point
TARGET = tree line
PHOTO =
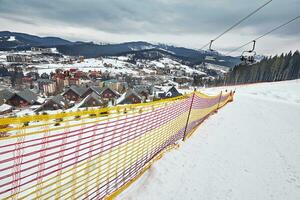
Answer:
(277, 68)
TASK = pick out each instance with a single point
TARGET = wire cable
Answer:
(265, 34)
(236, 24)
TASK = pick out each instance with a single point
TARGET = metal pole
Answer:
(219, 100)
(188, 118)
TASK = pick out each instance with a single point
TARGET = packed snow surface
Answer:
(248, 150)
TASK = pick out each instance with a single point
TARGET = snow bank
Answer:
(249, 150)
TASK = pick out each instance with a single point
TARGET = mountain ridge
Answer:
(23, 41)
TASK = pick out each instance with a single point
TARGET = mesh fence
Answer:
(92, 154)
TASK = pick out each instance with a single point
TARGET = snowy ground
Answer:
(249, 150)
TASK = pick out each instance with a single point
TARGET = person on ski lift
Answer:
(251, 59)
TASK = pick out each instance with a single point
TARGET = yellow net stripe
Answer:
(17, 120)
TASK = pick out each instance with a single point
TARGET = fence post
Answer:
(188, 118)
(219, 100)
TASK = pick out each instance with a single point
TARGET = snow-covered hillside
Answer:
(119, 65)
(146, 63)
(218, 68)
(248, 150)
(90, 64)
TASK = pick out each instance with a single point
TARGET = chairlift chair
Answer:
(248, 57)
(212, 58)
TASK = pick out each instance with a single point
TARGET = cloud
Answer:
(18, 19)
(154, 19)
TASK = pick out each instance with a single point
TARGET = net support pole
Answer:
(219, 100)
(188, 118)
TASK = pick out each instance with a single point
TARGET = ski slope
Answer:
(249, 150)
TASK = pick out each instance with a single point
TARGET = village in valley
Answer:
(42, 80)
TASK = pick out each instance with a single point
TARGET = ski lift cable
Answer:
(267, 33)
(236, 24)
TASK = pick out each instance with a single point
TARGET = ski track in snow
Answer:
(249, 150)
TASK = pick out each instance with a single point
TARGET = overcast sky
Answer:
(188, 23)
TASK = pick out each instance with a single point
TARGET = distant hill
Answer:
(13, 40)
(21, 41)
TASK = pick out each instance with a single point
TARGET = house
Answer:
(5, 95)
(27, 82)
(172, 92)
(45, 76)
(130, 97)
(48, 87)
(18, 58)
(55, 103)
(94, 89)
(92, 100)
(81, 58)
(182, 80)
(81, 75)
(177, 72)
(160, 71)
(95, 74)
(73, 70)
(113, 84)
(41, 50)
(144, 93)
(143, 90)
(33, 75)
(41, 82)
(76, 93)
(73, 81)
(5, 109)
(24, 98)
(109, 93)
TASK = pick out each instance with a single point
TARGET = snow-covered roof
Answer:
(93, 95)
(121, 98)
(28, 96)
(6, 94)
(5, 107)
(79, 90)
(127, 94)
